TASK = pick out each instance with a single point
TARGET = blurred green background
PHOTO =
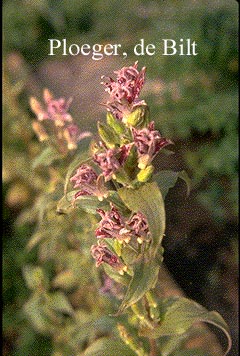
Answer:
(193, 100)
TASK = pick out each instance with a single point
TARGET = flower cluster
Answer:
(125, 91)
(110, 160)
(124, 155)
(56, 111)
(114, 226)
(89, 182)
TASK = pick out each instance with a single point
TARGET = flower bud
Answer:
(138, 118)
(47, 95)
(40, 131)
(37, 109)
(143, 161)
(145, 174)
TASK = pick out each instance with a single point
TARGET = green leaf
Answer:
(34, 311)
(179, 314)
(65, 280)
(88, 203)
(59, 302)
(117, 277)
(65, 205)
(115, 124)
(108, 347)
(46, 157)
(148, 200)
(34, 277)
(116, 200)
(144, 278)
(169, 344)
(130, 165)
(108, 135)
(168, 179)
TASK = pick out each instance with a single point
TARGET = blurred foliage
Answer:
(193, 100)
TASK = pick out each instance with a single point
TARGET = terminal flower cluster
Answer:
(123, 155)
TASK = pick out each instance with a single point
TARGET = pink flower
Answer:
(138, 226)
(148, 142)
(128, 84)
(56, 109)
(125, 90)
(112, 224)
(89, 182)
(110, 160)
(103, 254)
(84, 175)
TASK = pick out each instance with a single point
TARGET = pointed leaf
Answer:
(148, 200)
(34, 277)
(88, 203)
(115, 124)
(179, 314)
(59, 302)
(108, 347)
(168, 179)
(144, 278)
(46, 157)
(108, 135)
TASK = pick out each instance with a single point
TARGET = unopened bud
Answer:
(138, 118)
(40, 131)
(71, 140)
(140, 240)
(59, 122)
(36, 107)
(145, 174)
(143, 161)
(47, 95)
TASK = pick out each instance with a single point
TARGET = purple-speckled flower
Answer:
(128, 84)
(84, 175)
(110, 160)
(148, 142)
(89, 182)
(138, 226)
(103, 254)
(125, 90)
(112, 225)
(56, 109)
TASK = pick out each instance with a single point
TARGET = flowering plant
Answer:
(114, 183)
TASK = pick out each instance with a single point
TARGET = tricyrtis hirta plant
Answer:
(114, 201)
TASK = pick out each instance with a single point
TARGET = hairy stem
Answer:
(153, 347)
